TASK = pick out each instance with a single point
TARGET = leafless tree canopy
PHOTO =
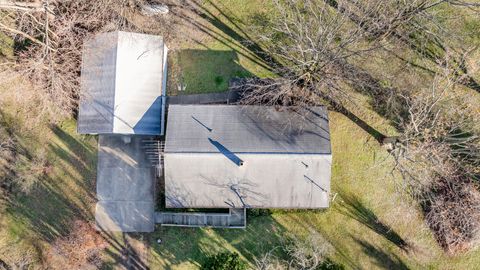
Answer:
(306, 254)
(314, 47)
(438, 154)
(49, 36)
(309, 44)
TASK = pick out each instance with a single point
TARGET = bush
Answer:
(258, 212)
(224, 261)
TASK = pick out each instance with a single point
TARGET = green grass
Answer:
(208, 70)
(368, 223)
(32, 220)
(6, 47)
(207, 65)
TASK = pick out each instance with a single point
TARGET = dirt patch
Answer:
(81, 249)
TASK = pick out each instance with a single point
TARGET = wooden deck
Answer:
(235, 219)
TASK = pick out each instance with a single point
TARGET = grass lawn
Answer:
(214, 50)
(369, 225)
(56, 168)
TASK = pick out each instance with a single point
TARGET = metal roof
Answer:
(223, 156)
(206, 180)
(123, 76)
(246, 129)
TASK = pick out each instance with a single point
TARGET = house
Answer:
(207, 155)
(246, 157)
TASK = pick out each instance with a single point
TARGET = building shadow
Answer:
(352, 207)
(227, 153)
(384, 260)
(151, 120)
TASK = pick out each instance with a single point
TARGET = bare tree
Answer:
(419, 25)
(310, 45)
(49, 35)
(438, 155)
(437, 151)
(303, 253)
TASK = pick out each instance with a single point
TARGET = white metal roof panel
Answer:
(122, 81)
(204, 180)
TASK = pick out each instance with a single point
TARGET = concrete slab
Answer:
(125, 185)
(113, 152)
(125, 216)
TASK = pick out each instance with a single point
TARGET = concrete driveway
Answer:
(125, 185)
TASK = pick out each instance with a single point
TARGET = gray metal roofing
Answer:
(121, 84)
(246, 129)
(263, 181)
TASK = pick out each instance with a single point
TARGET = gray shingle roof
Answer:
(246, 129)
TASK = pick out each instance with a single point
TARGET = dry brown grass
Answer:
(81, 249)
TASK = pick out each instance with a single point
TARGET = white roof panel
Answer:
(122, 82)
(247, 156)
(263, 181)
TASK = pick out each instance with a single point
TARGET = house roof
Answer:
(121, 84)
(246, 156)
(246, 129)
(199, 180)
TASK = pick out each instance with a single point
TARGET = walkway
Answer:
(236, 218)
(230, 96)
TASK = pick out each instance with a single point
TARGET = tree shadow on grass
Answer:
(384, 260)
(421, 41)
(226, 24)
(354, 208)
(179, 245)
(50, 207)
(79, 155)
(223, 27)
(262, 235)
(121, 251)
(44, 211)
(341, 250)
(204, 70)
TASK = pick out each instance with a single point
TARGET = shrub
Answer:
(224, 261)
(257, 212)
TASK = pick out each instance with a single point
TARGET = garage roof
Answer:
(121, 84)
